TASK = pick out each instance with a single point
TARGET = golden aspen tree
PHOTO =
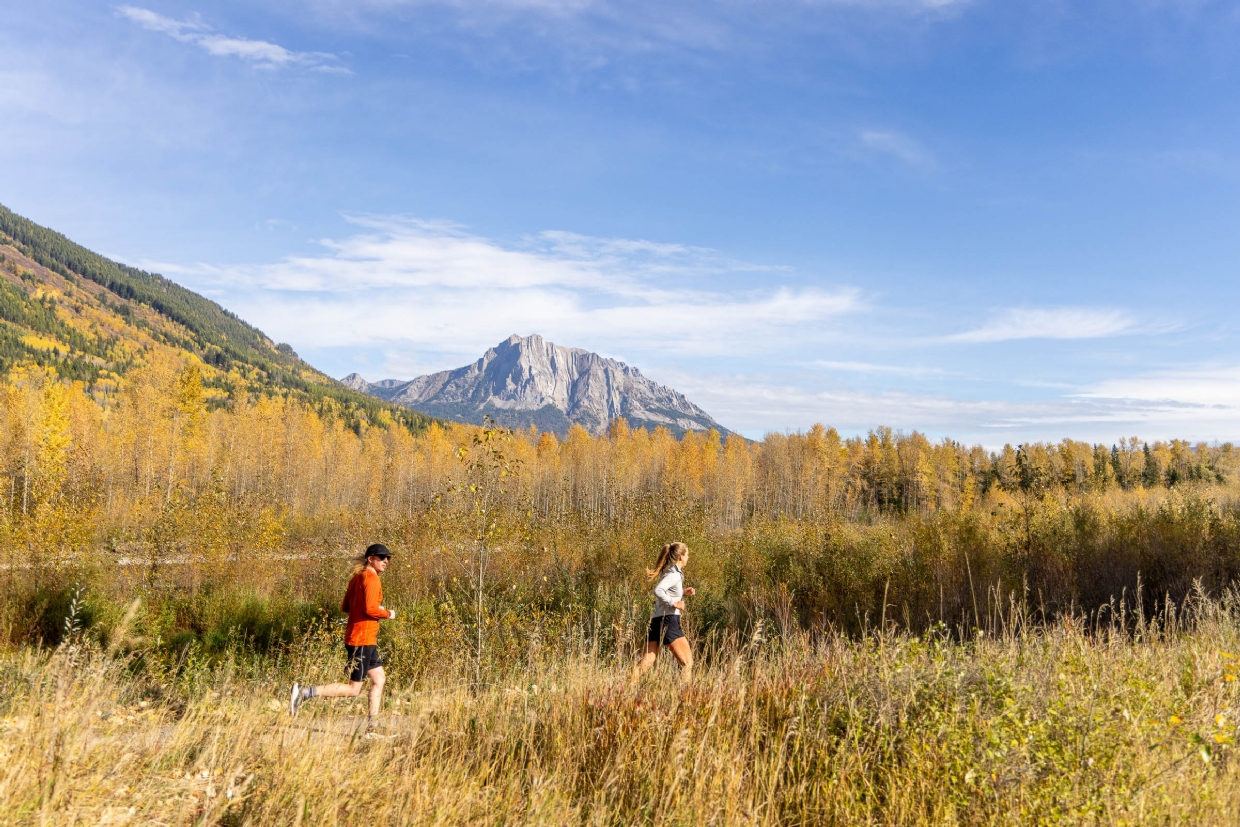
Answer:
(738, 478)
(23, 397)
(52, 442)
(186, 419)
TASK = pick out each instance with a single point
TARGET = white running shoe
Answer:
(295, 699)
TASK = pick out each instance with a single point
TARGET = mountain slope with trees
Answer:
(70, 310)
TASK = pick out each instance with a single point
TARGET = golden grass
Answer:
(1059, 725)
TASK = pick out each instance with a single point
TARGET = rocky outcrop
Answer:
(528, 380)
(356, 382)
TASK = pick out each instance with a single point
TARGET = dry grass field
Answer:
(1113, 721)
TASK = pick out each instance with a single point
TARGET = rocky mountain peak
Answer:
(356, 382)
(527, 380)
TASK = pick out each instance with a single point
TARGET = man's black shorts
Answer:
(664, 630)
(361, 660)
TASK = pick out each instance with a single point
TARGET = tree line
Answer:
(112, 465)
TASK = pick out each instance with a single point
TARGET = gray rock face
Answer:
(356, 382)
(528, 380)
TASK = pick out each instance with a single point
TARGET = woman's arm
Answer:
(374, 596)
(687, 592)
(663, 589)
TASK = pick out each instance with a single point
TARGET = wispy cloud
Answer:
(1051, 323)
(871, 368)
(898, 146)
(748, 402)
(34, 91)
(906, 6)
(594, 32)
(1215, 387)
(557, 8)
(611, 8)
(185, 30)
(435, 287)
(260, 53)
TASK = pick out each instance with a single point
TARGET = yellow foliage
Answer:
(120, 459)
(41, 342)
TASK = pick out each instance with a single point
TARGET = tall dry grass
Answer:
(1114, 721)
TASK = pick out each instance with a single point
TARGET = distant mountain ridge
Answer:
(527, 380)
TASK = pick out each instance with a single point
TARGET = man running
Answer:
(363, 602)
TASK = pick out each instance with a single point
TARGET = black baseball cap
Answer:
(378, 550)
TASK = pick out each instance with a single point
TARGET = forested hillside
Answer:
(90, 319)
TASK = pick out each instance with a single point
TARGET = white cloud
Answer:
(871, 368)
(592, 33)
(899, 6)
(749, 403)
(432, 286)
(556, 8)
(1051, 323)
(1216, 388)
(260, 53)
(569, 8)
(185, 30)
(33, 91)
(896, 145)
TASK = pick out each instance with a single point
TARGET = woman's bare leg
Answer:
(647, 660)
(377, 679)
(339, 690)
(354, 688)
(680, 648)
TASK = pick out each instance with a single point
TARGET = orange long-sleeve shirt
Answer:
(363, 600)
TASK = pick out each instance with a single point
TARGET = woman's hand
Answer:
(689, 592)
(679, 604)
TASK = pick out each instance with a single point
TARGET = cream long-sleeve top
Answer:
(670, 589)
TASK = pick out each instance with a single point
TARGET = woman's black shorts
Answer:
(361, 660)
(664, 630)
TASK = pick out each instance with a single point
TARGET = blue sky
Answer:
(991, 221)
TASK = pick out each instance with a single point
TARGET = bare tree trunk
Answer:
(172, 456)
(26, 470)
(150, 461)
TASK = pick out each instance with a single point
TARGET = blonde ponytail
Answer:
(671, 554)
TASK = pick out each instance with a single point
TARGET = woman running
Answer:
(669, 600)
(363, 601)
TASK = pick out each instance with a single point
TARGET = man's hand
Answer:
(391, 614)
(689, 592)
(679, 604)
